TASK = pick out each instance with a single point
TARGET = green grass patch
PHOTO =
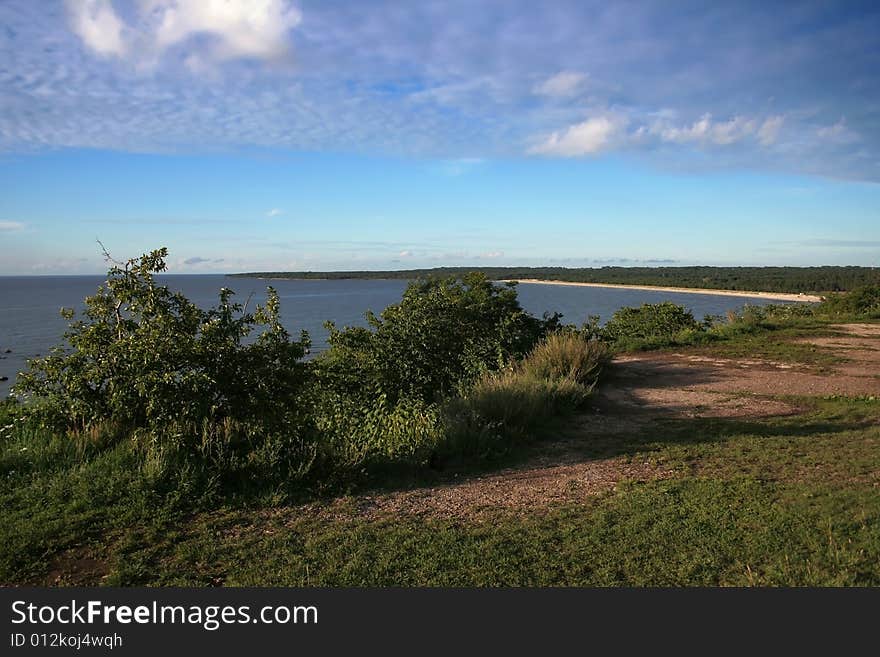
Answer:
(835, 441)
(778, 345)
(673, 533)
(787, 501)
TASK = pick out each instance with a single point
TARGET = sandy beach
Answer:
(775, 296)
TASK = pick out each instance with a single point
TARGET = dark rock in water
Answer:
(4, 378)
(8, 351)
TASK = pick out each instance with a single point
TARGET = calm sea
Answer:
(30, 322)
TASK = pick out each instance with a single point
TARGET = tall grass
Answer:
(566, 355)
(355, 435)
(506, 407)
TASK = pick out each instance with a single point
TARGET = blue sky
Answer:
(348, 135)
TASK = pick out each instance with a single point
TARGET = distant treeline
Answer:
(759, 279)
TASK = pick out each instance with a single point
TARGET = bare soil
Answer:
(860, 343)
(76, 567)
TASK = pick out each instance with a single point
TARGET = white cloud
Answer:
(832, 131)
(458, 92)
(492, 254)
(244, 28)
(694, 132)
(565, 83)
(707, 131)
(587, 138)
(274, 212)
(769, 130)
(236, 28)
(460, 166)
(736, 129)
(420, 80)
(605, 132)
(98, 25)
(838, 133)
(405, 254)
(9, 226)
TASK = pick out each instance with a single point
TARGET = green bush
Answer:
(771, 314)
(442, 335)
(146, 357)
(659, 322)
(862, 302)
(457, 367)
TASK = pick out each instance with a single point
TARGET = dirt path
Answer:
(639, 390)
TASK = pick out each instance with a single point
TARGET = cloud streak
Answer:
(564, 83)
(835, 243)
(618, 131)
(707, 131)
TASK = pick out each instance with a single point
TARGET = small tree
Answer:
(443, 333)
(650, 321)
(144, 356)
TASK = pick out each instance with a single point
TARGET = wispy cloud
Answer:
(460, 166)
(632, 261)
(9, 226)
(838, 133)
(564, 83)
(705, 130)
(621, 131)
(199, 262)
(832, 243)
(769, 130)
(274, 212)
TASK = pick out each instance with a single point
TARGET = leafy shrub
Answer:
(144, 356)
(658, 322)
(442, 335)
(862, 302)
(758, 316)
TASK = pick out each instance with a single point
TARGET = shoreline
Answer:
(775, 296)
(772, 296)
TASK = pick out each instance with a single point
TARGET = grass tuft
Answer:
(567, 355)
